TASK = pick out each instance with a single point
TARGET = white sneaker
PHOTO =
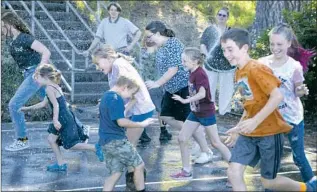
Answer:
(204, 157)
(195, 151)
(18, 145)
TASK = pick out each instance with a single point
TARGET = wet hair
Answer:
(158, 26)
(194, 54)
(239, 36)
(107, 51)
(127, 81)
(226, 9)
(49, 71)
(115, 4)
(296, 51)
(14, 21)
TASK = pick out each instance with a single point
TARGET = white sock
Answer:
(187, 169)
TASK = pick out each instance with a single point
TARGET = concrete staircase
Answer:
(90, 84)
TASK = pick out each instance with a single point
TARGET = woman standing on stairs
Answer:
(27, 53)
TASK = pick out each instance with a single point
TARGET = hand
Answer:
(180, 99)
(57, 125)
(247, 126)
(147, 122)
(232, 139)
(23, 109)
(151, 84)
(302, 90)
(86, 53)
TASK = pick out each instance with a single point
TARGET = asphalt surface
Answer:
(26, 170)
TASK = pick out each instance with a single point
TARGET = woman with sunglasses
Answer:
(217, 67)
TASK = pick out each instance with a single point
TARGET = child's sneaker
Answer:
(55, 167)
(312, 184)
(204, 158)
(17, 145)
(195, 151)
(99, 152)
(183, 175)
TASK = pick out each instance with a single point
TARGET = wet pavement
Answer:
(26, 170)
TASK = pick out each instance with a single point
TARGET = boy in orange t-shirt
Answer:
(259, 134)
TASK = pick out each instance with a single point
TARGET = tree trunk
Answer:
(269, 14)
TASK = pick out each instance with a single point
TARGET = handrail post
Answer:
(73, 75)
(67, 8)
(86, 62)
(32, 17)
(98, 11)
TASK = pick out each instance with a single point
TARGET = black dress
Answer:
(70, 133)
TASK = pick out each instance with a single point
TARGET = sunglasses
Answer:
(221, 15)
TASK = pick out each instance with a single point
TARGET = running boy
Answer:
(119, 152)
(259, 134)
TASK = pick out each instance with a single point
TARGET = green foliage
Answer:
(11, 78)
(304, 26)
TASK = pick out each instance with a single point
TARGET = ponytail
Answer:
(168, 33)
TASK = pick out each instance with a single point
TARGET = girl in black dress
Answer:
(64, 131)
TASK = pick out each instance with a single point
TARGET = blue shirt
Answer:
(111, 109)
(167, 56)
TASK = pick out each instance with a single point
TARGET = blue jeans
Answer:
(26, 90)
(296, 140)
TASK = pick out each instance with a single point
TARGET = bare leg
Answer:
(212, 133)
(138, 177)
(281, 183)
(134, 135)
(200, 138)
(111, 181)
(52, 141)
(171, 121)
(187, 131)
(236, 176)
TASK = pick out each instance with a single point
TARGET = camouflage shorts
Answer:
(120, 154)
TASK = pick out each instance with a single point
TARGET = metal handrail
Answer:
(44, 31)
(79, 17)
(58, 27)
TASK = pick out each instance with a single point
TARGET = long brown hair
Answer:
(106, 51)
(49, 71)
(11, 19)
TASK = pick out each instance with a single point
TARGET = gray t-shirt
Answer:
(215, 58)
(143, 103)
(116, 33)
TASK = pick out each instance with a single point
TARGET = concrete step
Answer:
(67, 53)
(85, 98)
(63, 44)
(49, 5)
(91, 87)
(87, 76)
(73, 35)
(57, 15)
(65, 25)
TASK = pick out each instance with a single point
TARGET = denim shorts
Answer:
(120, 154)
(205, 121)
(142, 117)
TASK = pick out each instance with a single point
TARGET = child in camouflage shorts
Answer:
(119, 152)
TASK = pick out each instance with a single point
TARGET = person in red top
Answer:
(202, 112)
(259, 134)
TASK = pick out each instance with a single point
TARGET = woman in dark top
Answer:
(27, 53)
(217, 67)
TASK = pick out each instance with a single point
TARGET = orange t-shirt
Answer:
(255, 82)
